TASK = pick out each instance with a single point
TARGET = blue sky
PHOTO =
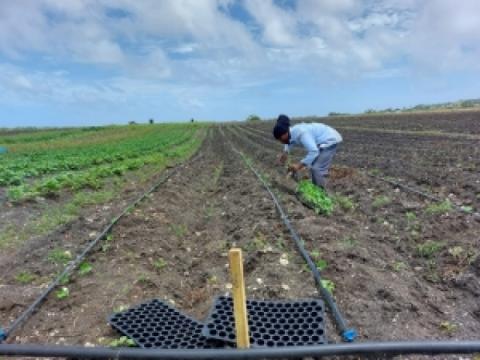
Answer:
(85, 62)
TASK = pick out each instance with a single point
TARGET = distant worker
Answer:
(318, 139)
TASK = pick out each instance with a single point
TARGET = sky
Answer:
(95, 62)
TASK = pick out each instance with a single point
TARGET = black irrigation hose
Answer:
(4, 334)
(294, 352)
(348, 334)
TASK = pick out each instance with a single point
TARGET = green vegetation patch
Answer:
(315, 197)
(381, 201)
(429, 248)
(440, 208)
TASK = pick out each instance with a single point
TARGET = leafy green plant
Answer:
(120, 308)
(85, 268)
(59, 256)
(159, 264)
(25, 277)
(448, 327)
(348, 242)
(399, 266)
(179, 230)
(345, 202)
(440, 208)
(381, 201)
(467, 209)
(123, 341)
(329, 285)
(321, 264)
(410, 216)
(315, 197)
(62, 293)
(429, 248)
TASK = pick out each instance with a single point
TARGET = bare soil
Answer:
(383, 285)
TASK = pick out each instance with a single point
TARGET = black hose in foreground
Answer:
(4, 334)
(347, 334)
(371, 348)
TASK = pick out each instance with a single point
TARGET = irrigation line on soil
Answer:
(347, 334)
(294, 352)
(391, 182)
(4, 334)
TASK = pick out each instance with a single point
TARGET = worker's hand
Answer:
(296, 167)
(282, 158)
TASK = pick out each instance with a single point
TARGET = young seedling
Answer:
(381, 201)
(179, 230)
(59, 256)
(410, 216)
(107, 243)
(448, 327)
(429, 248)
(345, 202)
(120, 308)
(123, 341)
(398, 266)
(159, 264)
(62, 293)
(85, 268)
(348, 242)
(440, 208)
(321, 264)
(329, 285)
(25, 277)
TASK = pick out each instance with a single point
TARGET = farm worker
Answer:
(318, 139)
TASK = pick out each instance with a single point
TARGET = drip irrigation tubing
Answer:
(4, 334)
(399, 185)
(347, 334)
(294, 352)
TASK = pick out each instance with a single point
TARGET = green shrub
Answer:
(253, 118)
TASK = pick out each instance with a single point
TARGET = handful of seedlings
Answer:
(314, 197)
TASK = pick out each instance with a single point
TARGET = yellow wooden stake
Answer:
(239, 298)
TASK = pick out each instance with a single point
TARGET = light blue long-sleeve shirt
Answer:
(312, 137)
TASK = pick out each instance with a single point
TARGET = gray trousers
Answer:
(321, 165)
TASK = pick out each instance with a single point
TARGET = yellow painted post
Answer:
(239, 298)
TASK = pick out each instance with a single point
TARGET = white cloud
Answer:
(152, 46)
(278, 25)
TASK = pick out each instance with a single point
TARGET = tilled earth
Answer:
(174, 246)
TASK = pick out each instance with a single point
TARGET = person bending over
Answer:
(319, 140)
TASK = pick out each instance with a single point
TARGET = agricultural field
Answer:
(399, 265)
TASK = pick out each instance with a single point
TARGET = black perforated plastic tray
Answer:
(155, 324)
(271, 323)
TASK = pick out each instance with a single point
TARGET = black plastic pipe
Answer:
(371, 348)
(4, 334)
(347, 334)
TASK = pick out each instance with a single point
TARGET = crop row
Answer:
(17, 167)
(174, 144)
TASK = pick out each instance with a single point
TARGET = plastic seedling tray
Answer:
(271, 323)
(155, 324)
